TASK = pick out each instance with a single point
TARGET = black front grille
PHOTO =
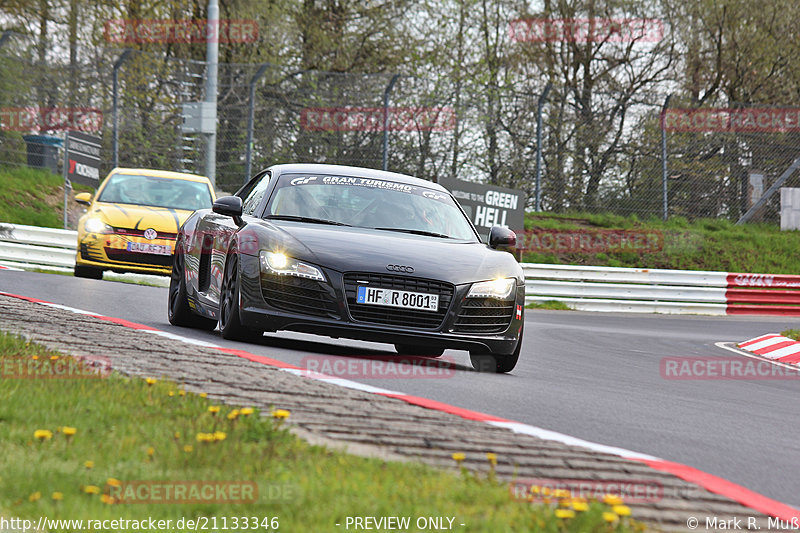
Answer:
(396, 316)
(116, 254)
(298, 295)
(89, 253)
(484, 315)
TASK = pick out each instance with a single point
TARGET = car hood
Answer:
(128, 216)
(348, 249)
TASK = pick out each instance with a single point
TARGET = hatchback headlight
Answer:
(96, 225)
(496, 288)
(282, 264)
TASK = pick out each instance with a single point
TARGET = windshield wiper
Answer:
(297, 218)
(417, 232)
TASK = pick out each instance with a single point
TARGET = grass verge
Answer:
(73, 449)
(703, 244)
(549, 304)
(791, 333)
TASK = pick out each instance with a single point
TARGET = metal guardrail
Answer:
(31, 247)
(589, 288)
(585, 288)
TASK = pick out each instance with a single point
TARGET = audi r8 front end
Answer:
(354, 253)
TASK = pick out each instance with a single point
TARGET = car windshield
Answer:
(369, 203)
(156, 192)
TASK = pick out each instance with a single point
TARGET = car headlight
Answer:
(496, 288)
(280, 263)
(96, 225)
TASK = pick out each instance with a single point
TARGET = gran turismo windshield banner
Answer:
(299, 180)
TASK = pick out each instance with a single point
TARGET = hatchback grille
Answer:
(90, 253)
(298, 295)
(396, 316)
(124, 256)
(484, 315)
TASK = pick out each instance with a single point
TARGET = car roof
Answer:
(342, 170)
(160, 174)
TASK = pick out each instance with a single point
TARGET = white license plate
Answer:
(147, 248)
(394, 298)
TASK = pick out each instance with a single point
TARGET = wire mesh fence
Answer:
(600, 152)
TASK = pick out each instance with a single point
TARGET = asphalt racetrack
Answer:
(595, 376)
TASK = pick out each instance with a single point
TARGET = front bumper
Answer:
(110, 252)
(329, 308)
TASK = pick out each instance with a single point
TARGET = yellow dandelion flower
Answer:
(622, 510)
(91, 489)
(492, 458)
(565, 513)
(113, 482)
(188, 448)
(281, 414)
(565, 502)
(57, 496)
(561, 493)
(612, 499)
(219, 435)
(35, 357)
(233, 414)
(105, 498)
(244, 411)
(580, 506)
(535, 489)
(35, 496)
(176, 435)
(151, 381)
(171, 393)
(88, 464)
(54, 358)
(203, 394)
(458, 457)
(610, 517)
(546, 491)
(69, 431)
(43, 434)
(151, 451)
(205, 437)
(181, 392)
(213, 409)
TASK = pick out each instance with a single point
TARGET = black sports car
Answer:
(355, 253)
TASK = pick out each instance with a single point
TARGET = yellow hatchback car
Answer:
(133, 220)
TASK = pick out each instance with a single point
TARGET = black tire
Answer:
(178, 310)
(87, 272)
(496, 363)
(230, 324)
(416, 349)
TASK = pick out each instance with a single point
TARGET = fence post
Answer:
(65, 172)
(115, 109)
(664, 199)
(251, 122)
(386, 120)
(538, 174)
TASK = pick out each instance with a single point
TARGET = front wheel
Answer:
(87, 272)
(178, 310)
(230, 324)
(496, 363)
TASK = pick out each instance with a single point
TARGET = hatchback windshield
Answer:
(156, 192)
(369, 203)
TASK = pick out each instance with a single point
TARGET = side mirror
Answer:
(84, 198)
(501, 237)
(229, 206)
